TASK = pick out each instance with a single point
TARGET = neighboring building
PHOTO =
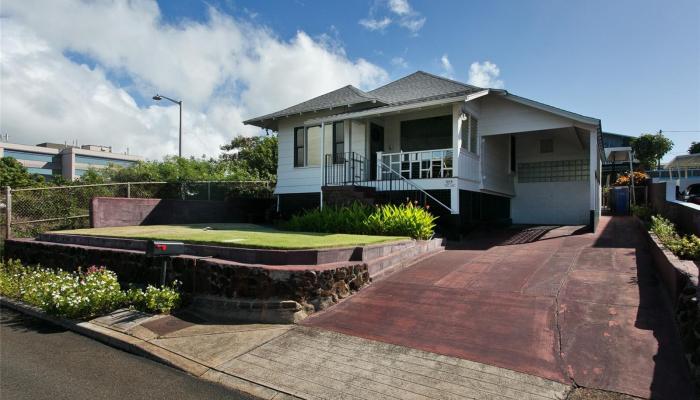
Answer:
(70, 162)
(616, 161)
(486, 154)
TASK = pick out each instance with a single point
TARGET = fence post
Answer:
(128, 190)
(208, 190)
(8, 212)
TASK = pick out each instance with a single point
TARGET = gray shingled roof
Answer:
(337, 98)
(418, 86)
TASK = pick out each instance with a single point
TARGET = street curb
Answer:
(148, 350)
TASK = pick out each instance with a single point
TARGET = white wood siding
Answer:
(495, 156)
(498, 116)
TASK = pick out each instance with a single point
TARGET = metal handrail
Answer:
(415, 186)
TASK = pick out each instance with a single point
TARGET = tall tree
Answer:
(251, 157)
(14, 174)
(694, 148)
(650, 148)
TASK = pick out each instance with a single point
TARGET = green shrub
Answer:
(642, 212)
(391, 220)
(350, 219)
(687, 247)
(93, 292)
(153, 299)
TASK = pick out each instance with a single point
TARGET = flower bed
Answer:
(388, 219)
(80, 294)
(685, 247)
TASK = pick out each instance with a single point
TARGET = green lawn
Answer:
(236, 235)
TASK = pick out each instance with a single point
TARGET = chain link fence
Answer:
(27, 212)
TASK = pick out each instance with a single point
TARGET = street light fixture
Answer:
(159, 97)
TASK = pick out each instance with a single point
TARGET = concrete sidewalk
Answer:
(287, 361)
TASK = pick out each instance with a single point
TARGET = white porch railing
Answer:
(423, 164)
(469, 166)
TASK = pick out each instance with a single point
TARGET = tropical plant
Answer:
(403, 220)
(640, 178)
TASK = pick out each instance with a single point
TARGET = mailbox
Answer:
(156, 248)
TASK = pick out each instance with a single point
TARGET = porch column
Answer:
(454, 198)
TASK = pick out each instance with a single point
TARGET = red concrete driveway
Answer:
(584, 308)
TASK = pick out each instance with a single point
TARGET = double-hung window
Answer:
(299, 147)
(338, 142)
(469, 134)
(307, 146)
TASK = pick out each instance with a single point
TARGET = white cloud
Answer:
(375, 24)
(447, 69)
(400, 7)
(224, 69)
(485, 75)
(413, 24)
(399, 62)
(407, 17)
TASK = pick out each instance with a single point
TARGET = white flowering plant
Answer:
(81, 294)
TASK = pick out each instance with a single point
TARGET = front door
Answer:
(376, 143)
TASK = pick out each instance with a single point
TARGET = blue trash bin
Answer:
(621, 200)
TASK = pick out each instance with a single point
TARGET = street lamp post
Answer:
(159, 97)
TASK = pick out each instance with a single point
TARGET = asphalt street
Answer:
(39, 360)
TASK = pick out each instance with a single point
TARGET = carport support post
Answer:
(593, 166)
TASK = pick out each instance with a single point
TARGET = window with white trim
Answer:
(307, 146)
(469, 133)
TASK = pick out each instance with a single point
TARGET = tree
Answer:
(171, 169)
(14, 174)
(251, 158)
(694, 148)
(650, 148)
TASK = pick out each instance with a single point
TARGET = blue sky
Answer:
(633, 64)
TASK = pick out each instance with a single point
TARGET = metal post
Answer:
(128, 190)
(180, 136)
(208, 190)
(8, 212)
(164, 272)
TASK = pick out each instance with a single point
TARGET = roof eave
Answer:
(546, 107)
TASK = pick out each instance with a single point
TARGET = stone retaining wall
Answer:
(313, 287)
(680, 277)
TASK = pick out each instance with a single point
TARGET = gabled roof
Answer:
(419, 86)
(347, 95)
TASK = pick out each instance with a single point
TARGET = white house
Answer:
(478, 154)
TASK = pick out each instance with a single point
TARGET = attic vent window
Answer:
(546, 146)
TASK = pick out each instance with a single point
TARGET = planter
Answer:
(680, 277)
